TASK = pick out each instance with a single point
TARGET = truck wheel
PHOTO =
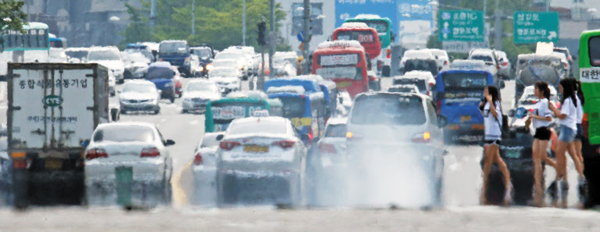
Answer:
(20, 188)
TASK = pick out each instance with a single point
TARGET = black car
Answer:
(206, 55)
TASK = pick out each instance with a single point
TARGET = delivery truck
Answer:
(52, 111)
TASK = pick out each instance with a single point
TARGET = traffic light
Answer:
(262, 27)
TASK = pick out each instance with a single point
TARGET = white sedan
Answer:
(261, 160)
(198, 93)
(130, 156)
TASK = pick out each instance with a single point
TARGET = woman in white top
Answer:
(492, 120)
(568, 128)
(577, 143)
(541, 118)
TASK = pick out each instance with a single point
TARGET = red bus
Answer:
(343, 62)
(366, 36)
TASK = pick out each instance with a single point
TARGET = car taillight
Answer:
(504, 63)
(228, 145)
(373, 78)
(566, 65)
(327, 148)
(310, 134)
(585, 124)
(96, 153)
(428, 94)
(498, 67)
(439, 106)
(198, 159)
(422, 137)
(389, 53)
(19, 163)
(531, 110)
(379, 63)
(445, 62)
(284, 144)
(150, 152)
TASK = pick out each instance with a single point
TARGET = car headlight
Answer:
(187, 60)
(209, 67)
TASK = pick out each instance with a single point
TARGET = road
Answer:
(462, 183)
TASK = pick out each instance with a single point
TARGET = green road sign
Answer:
(461, 25)
(533, 27)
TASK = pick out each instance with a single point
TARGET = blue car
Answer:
(161, 74)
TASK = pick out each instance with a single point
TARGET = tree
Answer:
(138, 29)
(11, 15)
(217, 22)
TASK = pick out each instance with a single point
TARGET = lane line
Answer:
(180, 193)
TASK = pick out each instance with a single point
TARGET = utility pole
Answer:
(307, 37)
(498, 27)
(272, 42)
(152, 14)
(485, 8)
(547, 5)
(193, 17)
(244, 24)
(261, 42)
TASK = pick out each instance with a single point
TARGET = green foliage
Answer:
(12, 9)
(217, 22)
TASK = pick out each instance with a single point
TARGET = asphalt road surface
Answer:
(462, 183)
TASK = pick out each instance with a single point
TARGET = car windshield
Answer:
(401, 90)
(138, 57)
(336, 131)
(465, 80)
(202, 52)
(104, 55)
(420, 83)
(262, 126)
(224, 63)
(421, 65)
(139, 88)
(202, 87)
(223, 73)
(380, 26)
(173, 48)
(124, 133)
(388, 109)
(293, 107)
(159, 73)
(77, 54)
(484, 58)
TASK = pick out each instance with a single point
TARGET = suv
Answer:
(490, 58)
(384, 127)
(206, 55)
(177, 52)
(570, 58)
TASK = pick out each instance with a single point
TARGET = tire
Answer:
(167, 192)
(385, 71)
(157, 111)
(184, 111)
(172, 98)
(20, 188)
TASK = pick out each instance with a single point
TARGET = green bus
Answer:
(383, 26)
(34, 36)
(589, 75)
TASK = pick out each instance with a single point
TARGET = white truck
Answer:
(52, 111)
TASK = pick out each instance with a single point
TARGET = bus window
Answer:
(33, 38)
(293, 107)
(594, 50)
(42, 39)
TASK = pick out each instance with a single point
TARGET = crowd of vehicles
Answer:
(287, 143)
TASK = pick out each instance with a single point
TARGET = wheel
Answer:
(172, 98)
(167, 192)
(157, 111)
(20, 188)
(184, 111)
(123, 112)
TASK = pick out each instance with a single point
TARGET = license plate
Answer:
(344, 84)
(465, 118)
(53, 164)
(514, 154)
(256, 149)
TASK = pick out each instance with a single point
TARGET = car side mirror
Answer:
(442, 121)
(219, 137)
(169, 142)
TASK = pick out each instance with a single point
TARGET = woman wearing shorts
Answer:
(577, 143)
(568, 128)
(541, 118)
(492, 119)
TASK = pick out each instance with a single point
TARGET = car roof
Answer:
(117, 124)
(162, 64)
(337, 121)
(274, 119)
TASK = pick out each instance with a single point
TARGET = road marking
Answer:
(195, 122)
(181, 194)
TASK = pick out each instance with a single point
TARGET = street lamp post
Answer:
(193, 17)
(244, 24)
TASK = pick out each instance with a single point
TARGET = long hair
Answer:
(543, 86)
(577, 87)
(568, 91)
(492, 90)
